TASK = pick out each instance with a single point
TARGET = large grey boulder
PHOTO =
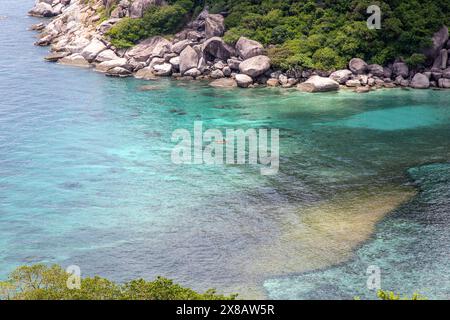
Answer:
(42, 9)
(180, 45)
(283, 79)
(376, 70)
(444, 83)
(58, 8)
(199, 23)
(357, 66)
(436, 74)
(439, 39)
(75, 59)
(175, 62)
(341, 76)
(215, 47)
(55, 56)
(247, 48)
(446, 64)
(189, 34)
(234, 63)
(169, 56)
(318, 84)
(138, 7)
(93, 49)
(353, 83)
(77, 45)
(420, 81)
(441, 60)
(387, 72)
(155, 61)
(218, 65)
(105, 26)
(446, 73)
(226, 71)
(188, 59)
(403, 82)
(108, 65)
(164, 69)
(122, 9)
(150, 48)
(214, 26)
(35, 27)
(202, 65)
(216, 74)
(145, 73)
(119, 12)
(119, 72)
(194, 72)
(364, 79)
(106, 55)
(243, 80)
(255, 66)
(400, 69)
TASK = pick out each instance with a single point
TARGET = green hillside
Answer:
(305, 33)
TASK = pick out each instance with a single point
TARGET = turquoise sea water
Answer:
(86, 179)
(411, 248)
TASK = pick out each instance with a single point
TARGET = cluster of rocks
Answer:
(399, 74)
(48, 8)
(197, 52)
(363, 77)
(78, 38)
(205, 57)
(130, 8)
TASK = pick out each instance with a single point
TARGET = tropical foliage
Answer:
(322, 34)
(40, 282)
(327, 34)
(156, 21)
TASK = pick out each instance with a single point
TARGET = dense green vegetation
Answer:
(327, 34)
(40, 282)
(307, 33)
(156, 21)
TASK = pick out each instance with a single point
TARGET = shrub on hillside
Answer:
(309, 33)
(157, 20)
(40, 282)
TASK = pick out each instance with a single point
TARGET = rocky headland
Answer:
(77, 35)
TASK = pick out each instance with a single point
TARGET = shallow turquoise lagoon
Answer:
(86, 178)
(400, 118)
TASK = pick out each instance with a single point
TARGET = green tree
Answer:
(305, 33)
(40, 282)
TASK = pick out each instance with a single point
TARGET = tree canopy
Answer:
(321, 34)
(41, 282)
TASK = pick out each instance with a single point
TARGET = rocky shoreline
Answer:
(76, 35)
